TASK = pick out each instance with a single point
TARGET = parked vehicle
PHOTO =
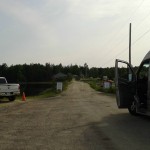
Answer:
(133, 89)
(8, 90)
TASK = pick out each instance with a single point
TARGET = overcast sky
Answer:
(73, 31)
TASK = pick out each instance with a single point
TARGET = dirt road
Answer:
(78, 119)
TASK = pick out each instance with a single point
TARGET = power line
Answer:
(134, 12)
(138, 8)
(112, 59)
(124, 50)
(141, 37)
(141, 22)
(129, 18)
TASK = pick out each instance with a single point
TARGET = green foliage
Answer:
(94, 83)
(52, 91)
(47, 93)
(44, 73)
(97, 85)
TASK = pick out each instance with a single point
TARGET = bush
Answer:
(96, 84)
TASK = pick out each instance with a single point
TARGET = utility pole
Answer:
(130, 44)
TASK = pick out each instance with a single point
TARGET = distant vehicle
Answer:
(133, 89)
(9, 91)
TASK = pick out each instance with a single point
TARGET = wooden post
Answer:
(130, 45)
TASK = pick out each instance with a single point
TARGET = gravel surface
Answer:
(79, 119)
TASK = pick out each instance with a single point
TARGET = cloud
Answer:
(96, 9)
(66, 29)
(31, 18)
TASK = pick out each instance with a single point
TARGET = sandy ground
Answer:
(79, 119)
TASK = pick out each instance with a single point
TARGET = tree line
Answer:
(44, 73)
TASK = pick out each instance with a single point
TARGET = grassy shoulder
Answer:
(97, 85)
(51, 92)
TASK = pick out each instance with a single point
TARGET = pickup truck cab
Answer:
(8, 90)
(133, 89)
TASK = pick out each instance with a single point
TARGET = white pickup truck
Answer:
(8, 90)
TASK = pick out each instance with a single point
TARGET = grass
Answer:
(97, 85)
(94, 84)
(48, 93)
(51, 92)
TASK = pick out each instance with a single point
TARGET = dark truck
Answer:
(133, 89)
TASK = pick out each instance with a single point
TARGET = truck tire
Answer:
(132, 109)
(11, 98)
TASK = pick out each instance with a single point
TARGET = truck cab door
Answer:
(125, 81)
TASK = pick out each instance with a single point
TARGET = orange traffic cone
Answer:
(23, 97)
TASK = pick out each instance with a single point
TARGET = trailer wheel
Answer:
(11, 98)
(132, 109)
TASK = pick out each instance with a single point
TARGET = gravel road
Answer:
(79, 119)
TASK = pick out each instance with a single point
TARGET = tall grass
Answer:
(97, 85)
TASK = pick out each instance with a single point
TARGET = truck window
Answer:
(143, 73)
(124, 72)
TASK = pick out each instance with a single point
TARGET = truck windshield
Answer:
(2, 81)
